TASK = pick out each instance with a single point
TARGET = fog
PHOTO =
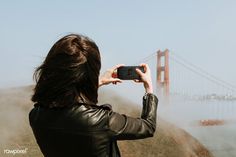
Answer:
(187, 113)
(14, 105)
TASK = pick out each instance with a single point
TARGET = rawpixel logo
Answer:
(15, 151)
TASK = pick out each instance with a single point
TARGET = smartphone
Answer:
(129, 72)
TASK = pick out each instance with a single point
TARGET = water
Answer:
(219, 139)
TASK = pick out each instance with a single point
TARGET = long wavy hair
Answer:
(69, 73)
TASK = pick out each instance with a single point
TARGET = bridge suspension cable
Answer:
(199, 71)
(145, 59)
(204, 71)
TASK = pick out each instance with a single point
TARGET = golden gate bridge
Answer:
(177, 78)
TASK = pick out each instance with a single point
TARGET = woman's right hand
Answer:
(145, 78)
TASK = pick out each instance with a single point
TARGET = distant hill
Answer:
(15, 132)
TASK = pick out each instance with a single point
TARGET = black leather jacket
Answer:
(89, 130)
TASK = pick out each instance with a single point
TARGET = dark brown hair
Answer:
(69, 73)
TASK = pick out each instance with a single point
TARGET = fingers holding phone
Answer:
(140, 74)
(116, 74)
(145, 77)
(108, 76)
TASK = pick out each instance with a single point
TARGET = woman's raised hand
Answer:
(106, 77)
(145, 78)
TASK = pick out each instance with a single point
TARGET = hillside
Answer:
(15, 133)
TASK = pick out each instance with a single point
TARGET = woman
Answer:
(66, 120)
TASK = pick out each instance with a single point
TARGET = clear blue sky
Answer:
(202, 31)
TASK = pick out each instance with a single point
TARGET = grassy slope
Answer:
(169, 141)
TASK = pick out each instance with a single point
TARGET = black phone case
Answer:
(129, 72)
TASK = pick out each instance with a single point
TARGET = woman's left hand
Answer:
(106, 78)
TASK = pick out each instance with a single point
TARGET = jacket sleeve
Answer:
(123, 127)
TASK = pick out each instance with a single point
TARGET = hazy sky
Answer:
(202, 31)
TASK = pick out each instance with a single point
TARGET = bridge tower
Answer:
(163, 81)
